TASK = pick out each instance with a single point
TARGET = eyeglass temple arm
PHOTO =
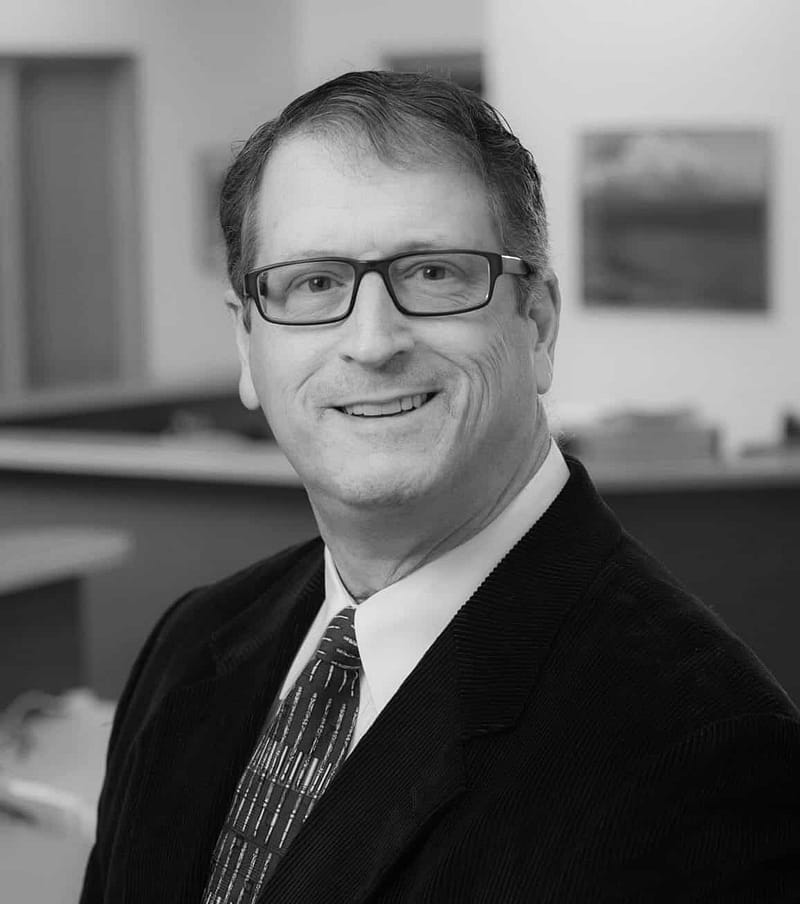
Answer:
(516, 266)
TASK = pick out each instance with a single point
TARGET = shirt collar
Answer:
(396, 625)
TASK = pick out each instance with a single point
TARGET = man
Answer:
(474, 686)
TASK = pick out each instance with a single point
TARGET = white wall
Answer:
(556, 69)
(209, 73)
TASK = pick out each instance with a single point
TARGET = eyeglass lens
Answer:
(424, 284)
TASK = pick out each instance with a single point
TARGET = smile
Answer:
(394, 407)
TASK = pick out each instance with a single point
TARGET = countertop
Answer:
(223, 458)
(34, 556)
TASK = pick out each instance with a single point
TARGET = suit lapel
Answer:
(505, 634)
(406, 769)
(192, 751)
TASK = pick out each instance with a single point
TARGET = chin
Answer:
(378, 488)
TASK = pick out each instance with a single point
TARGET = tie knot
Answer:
(338, 644)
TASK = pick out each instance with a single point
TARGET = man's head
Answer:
(370, 166)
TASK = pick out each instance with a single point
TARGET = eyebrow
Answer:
(431, 243)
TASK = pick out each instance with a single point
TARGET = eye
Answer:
(318, 283)
(430, 271)
(315, 284)
(434, 272)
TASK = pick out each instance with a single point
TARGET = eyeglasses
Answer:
(421, 284)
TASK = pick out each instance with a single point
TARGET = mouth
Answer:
(398, 407)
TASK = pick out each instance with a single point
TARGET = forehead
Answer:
(318, 197)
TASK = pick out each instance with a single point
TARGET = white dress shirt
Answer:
(396, 625)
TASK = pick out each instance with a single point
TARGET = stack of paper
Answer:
(644, 436)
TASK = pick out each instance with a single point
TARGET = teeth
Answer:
(394, 407)
(405, 403)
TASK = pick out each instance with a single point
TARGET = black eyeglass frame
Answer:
(499, 264)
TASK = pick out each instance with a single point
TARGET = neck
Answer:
(375, 548)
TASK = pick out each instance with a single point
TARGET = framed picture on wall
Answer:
(675, 219)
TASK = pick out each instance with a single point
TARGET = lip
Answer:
(400, 416)
(386, 399)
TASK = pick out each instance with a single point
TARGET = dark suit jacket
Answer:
(582, 731)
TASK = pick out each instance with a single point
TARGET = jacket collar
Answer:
(276, 619)
(503, 634)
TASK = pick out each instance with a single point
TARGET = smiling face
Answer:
(383, 409)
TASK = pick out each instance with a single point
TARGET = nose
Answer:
(376, 331)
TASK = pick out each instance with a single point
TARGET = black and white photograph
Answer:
(399, 452)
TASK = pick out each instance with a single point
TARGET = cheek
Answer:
(497, 365)
(288, 369)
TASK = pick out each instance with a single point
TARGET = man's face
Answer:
(475, 370)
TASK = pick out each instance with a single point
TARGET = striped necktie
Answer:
(296, 756)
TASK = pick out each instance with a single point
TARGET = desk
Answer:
(198, 511)
(41, 623)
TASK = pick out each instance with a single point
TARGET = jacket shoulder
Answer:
(673, 658)
(177, 646)
(198, 613)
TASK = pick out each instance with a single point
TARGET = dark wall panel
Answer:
(66, 133)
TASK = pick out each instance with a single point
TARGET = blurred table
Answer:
(42, 570)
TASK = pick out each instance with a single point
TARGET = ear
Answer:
(241, 326)
(544, 308)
